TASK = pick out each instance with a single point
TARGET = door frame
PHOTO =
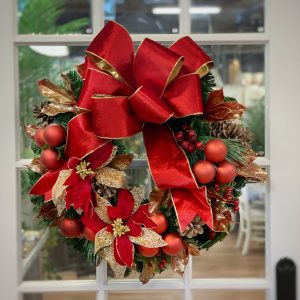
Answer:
(282, 50)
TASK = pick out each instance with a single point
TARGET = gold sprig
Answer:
(119, 228)
(83, 170)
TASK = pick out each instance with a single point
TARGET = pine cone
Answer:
(104, 191)
(194, 228)
(230, 130)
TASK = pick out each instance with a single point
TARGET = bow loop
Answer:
(99, 82)
(184, 96)
(195, 59)
(155, 66)
(148, 107)
(112, 51)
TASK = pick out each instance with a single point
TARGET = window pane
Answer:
(45, 255)
(162, 295)
(38, 62)
(229, 295)
(242, 252)
(61, 296)
(54, 16)
(147, 16)
(240, 71)
(221, 16)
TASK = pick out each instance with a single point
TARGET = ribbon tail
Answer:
(167, 161)
(191, 202)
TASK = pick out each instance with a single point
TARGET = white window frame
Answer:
(281, 45)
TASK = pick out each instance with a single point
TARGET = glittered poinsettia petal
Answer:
(124, 206)
(108, 254)
(101, 209)
(138, 194)
(135, 230)
(125, 249)
(141, 217)
(103, 239)
(101, 156)
(149, 239)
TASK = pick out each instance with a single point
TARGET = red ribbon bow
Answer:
(128, 93)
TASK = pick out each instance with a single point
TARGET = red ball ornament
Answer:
(49, 159)
(215, 150)
(39, 137)
(175, 244)
(226, 172)
(204, 171)
(161, 221)
(55, 135)
(88, 233)
(70, 227)
(147, 252)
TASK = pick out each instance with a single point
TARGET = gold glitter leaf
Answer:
(54, 93)
(252, 172)
(157, 198)
(148, 271)
(111, 177)
(149, 239)
(30, 130)
(103, 239)
(37, 167)
(179, 262)
(121, 162)
(53, 109)
(193, 250)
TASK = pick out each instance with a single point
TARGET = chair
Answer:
(252, 223)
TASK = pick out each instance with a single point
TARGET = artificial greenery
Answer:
(86, 248)
(76, 82)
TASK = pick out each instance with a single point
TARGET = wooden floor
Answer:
(223, 260)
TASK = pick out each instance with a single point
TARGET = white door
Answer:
(255, 46)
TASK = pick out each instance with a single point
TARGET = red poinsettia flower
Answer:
(126, 225)
(79, 184)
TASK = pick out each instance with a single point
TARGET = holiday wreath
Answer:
(198, 154)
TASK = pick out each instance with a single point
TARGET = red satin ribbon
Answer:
(129, 93)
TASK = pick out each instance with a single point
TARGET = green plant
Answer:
(40, 17)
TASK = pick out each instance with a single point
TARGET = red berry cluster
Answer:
(228, 195)
(188, 139)
(162, 263)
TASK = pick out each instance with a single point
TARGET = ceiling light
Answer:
(53, 51)
(193, 10)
